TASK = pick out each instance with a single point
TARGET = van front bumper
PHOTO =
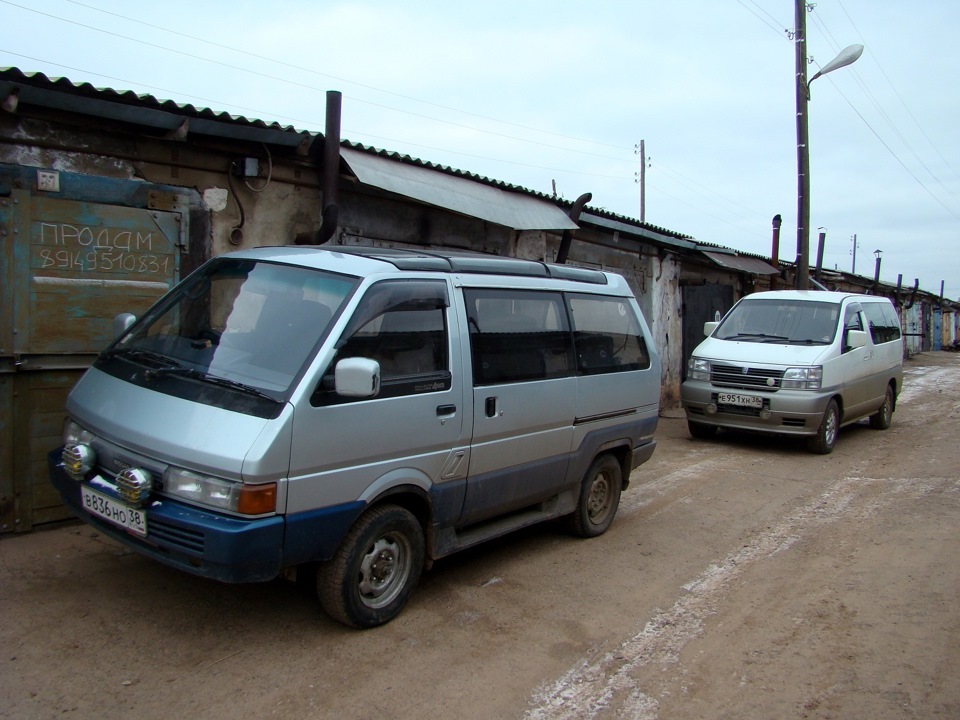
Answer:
(788, 412)
(203, 543)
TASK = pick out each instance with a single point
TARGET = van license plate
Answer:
(114, 511)
(751, 401)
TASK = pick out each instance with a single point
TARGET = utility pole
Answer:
(641, 179)
(803, 153)
(853, 269)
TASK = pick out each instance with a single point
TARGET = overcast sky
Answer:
(560, 93)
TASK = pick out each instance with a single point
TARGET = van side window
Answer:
(883, 320)
(402, 325)
(517, 336)
(606, 335)
(851, 321)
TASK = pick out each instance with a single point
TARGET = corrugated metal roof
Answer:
(146, 110)
(743, 263)
(516, 210)
(149, 111)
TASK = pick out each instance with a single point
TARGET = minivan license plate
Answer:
(114, 511)
(751, 401)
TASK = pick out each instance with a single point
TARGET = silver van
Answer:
(796, 363)
(359, 413)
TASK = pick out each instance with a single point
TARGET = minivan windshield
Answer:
(240, 325)
(795, 322)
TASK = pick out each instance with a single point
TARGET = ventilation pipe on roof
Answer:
(567, 236)
(329, 176)
(775, 249)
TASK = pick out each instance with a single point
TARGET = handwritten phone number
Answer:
(92, 261)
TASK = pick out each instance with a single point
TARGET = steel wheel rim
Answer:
(598, 503)
(384, 570)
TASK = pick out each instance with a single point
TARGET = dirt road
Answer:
(743, 578)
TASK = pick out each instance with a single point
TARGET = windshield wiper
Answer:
(155, 359)
(760, 336)
(809, 341)
(193, 374)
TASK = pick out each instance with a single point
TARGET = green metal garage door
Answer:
(68, 267)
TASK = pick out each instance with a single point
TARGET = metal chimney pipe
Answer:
(328, 166)
(567, 236)
(775, 250)
(331, 167)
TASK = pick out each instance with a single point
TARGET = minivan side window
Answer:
(606, 335)
(518, 335)
(851, 321)
(402, 325)
(883, 321)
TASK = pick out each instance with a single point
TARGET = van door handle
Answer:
(446, 410)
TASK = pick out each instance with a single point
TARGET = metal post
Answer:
(803, 153)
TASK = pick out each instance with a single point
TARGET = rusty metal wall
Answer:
(68, 266)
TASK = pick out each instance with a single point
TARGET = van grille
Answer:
(745, 378)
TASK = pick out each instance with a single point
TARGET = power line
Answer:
(321, 74)
(777, 28)
(886, 117)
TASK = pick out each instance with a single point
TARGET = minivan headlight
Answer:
(77, 457)
(802, 378)
(221, 494)
(698, 369)
(75, 434)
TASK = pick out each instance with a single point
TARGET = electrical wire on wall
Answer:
(236, 233)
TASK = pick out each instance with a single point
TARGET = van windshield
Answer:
(242, 326)
(795, 322)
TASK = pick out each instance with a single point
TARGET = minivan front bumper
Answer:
(203, 543)
(790, 412)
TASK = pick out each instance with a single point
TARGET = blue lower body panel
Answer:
(187, 538)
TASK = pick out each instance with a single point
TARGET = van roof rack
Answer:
(468, 262)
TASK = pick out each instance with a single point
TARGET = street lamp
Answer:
(846, 56)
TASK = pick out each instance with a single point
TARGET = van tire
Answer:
(599, 497)
(701, 431)
(822, 443)
(374, 571)
(881, 419)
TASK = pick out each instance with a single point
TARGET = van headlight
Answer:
(698, 369)
(75, 434)
(78, 456)
(220, 494)
(802, 378)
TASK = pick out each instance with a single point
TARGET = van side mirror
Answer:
(357, 377)
(122, 323)
(709, 327)
(856, 339)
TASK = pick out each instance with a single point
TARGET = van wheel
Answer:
(701, 431)
(376, 568)
(599, 498)
(822, 443)
(881, 419)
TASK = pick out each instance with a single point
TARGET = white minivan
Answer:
(796, 363)
(358, 413)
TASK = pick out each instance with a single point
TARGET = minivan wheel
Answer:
(599, 497)
(701, 431)
(376, 568)
(826, 437)
(881, 419)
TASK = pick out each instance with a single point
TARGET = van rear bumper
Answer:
(203, 543)
(789, 412)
